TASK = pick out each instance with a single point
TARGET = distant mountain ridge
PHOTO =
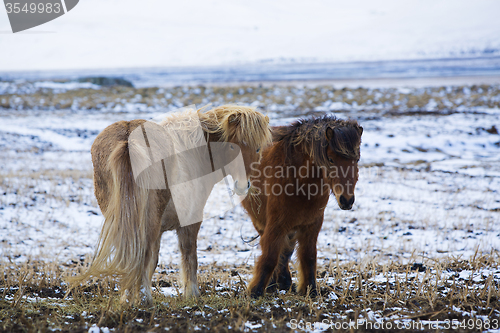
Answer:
(262, 72)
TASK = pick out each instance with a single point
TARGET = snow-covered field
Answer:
(427, 199)
(429, 185)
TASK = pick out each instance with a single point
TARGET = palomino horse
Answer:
(307, 161)
(136, 213)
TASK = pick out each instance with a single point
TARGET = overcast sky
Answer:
(125, 33)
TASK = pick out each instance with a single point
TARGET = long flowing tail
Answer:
(129, 230)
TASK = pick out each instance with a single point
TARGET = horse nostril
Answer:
(343, 201)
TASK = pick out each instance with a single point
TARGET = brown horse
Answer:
(137, 210)
(307, 161)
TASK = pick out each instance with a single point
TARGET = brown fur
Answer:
(136, 217)
(321, 146)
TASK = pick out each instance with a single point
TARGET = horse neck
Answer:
(314, 172)
(299, 158)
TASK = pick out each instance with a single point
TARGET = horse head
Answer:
(342, 156)
(243, 132)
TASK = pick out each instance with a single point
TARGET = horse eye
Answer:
(231, 146)
(258, 150)
(330, 160)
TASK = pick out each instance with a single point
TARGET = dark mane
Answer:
(310, 135)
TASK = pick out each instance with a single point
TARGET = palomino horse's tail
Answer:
(126, 241)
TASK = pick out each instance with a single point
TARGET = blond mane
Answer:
(241, 124)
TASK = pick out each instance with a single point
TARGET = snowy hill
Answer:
(126, 34)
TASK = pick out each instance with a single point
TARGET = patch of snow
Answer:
(66, 85)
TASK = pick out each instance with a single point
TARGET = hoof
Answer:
(256, 293)
(313, 293)
(273, 287)
(146, 297)
(286, 285)
(191, 293)
(309, 292)
(147, 302)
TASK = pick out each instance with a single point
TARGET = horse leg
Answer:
(149, 266)
(307, 253)
(147, 275)
(282, 278)
(188, 237)
(272, 243)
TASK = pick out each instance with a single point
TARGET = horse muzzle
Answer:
(344, 203)
(241, 191)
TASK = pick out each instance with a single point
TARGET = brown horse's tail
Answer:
(128, 234)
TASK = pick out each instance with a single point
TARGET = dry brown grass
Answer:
(290, 98)
(33, 297)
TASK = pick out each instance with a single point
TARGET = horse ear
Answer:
(267, 119)
(329, 134)
(360, 130)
